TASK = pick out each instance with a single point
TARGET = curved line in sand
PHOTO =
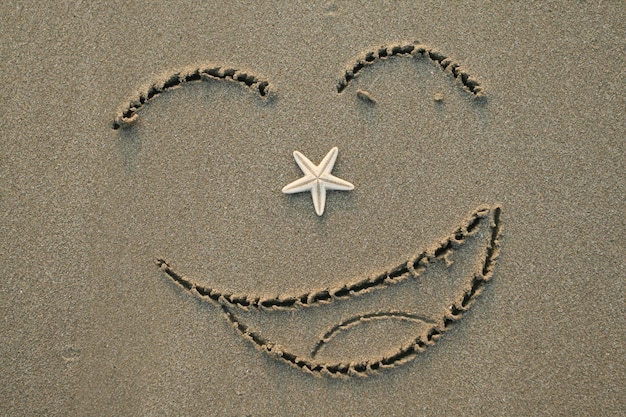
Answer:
(411, 50)
(364, 318)
(127, 115)
(413, 268)
(405, 353)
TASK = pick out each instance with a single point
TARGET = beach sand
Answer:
(531, 125)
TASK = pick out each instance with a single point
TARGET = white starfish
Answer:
(317, 179)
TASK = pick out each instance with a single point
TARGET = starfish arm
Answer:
(305, 164)
(302, 184)
(327, 164)
(318, 192)
(333, 183)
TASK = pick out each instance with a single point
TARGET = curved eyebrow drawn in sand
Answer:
(127, 115)
(411, 50)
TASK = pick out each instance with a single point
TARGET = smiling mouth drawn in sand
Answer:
(467, 257)
(478, 236)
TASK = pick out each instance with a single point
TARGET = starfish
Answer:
(317, 179)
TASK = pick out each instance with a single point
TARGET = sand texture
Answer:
(151, 264)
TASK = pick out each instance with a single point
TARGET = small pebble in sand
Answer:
(365, 96)
(438, 97)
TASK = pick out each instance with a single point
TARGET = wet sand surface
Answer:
(136, 132)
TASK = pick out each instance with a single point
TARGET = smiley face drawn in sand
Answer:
(470, 251)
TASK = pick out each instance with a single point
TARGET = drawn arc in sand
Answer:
(483, 225)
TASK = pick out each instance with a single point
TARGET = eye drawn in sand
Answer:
(370, 307)
(127, 115)
(409, 50)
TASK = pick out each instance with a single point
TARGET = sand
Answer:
(134, 132)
